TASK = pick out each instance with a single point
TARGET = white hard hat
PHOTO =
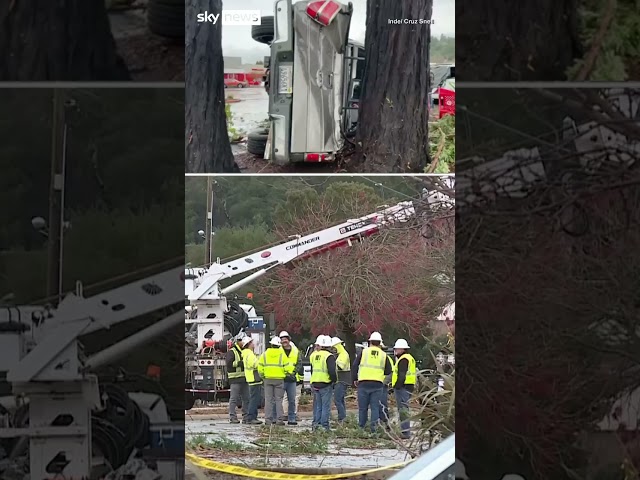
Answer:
(246, 341)
(401, 343)
(335, 341)
(275, 341)
(375, 337)
(284, 333)
(319, 339)
(326, 341)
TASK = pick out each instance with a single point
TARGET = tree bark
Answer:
(62, 40)
(393, 130)
(207, 147)
(512, 41)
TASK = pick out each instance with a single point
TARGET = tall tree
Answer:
(394, 117)
(207, 141)
(61, 40)
(504, 41)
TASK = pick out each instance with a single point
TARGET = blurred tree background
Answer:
(124, 200)
(443, 49)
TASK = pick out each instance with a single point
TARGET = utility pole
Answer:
(208, 224)
(56, 197)
(212, 233)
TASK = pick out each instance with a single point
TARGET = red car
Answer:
(233, 83)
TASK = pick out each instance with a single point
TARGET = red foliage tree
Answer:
(385, 282)
(541, 282)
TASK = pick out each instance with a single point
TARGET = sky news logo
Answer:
(231, 17)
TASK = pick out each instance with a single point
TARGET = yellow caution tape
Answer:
(263, 474)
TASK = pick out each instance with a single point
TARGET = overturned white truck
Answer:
(313, 81)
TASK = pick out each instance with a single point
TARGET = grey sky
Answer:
(237, 41)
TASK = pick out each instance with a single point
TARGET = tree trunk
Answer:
(207, 142)
(346, 333)
(512, 41)
(393, 129)
(62, 40)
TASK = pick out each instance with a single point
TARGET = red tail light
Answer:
(323, 12)
(316, 157)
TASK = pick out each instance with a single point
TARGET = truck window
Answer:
(360, 64)
(355, 94)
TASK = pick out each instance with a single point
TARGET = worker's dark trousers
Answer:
(321, 407)
(402, 400)
(239, 394)
(255, 396)
(339, 392)
(369, 397)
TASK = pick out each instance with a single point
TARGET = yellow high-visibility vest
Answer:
(250, 361)
(238, 372)
(319, 369)
(271, 365)
(410, 378)
(343, 362)
(293, 361)
(372, 365)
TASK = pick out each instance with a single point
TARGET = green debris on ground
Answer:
(442, 143)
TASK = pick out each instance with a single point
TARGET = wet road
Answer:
(251, 110)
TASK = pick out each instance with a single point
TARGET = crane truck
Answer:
(212, 316)
(58, 413)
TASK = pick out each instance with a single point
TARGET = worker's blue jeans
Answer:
(321, 407)
(339, 392)
(255, 395)
(290, 392)
(402, 400)
(369, 397)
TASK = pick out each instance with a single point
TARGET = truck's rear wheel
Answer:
(189, 402)
(257, 141)
(264, 32)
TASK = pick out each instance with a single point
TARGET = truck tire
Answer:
(257, 141)
(166, 17)
(263, 33)
(189, 402)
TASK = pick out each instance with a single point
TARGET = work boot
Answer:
(254, 422)
(234, 420)
(292, 423)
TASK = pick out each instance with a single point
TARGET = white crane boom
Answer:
(207, 287)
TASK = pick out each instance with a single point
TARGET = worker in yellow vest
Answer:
(343, 366)
(368, 373)
(323, 377)
(239, 389)
(273, 368)
(403, 382)
(384, 403)
(292, 379)
(254, 381)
